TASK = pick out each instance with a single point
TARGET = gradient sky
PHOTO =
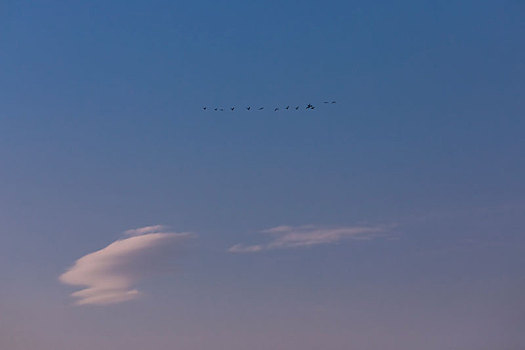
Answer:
(393, 219)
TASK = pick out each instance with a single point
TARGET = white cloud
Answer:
(109, 274)
(144, 230)
(310, 235)
(241, 248)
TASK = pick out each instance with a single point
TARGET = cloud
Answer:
(109, 274)
(241, 248)
(310, 235)
(144, 230)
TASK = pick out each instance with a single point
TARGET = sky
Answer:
(131, 218)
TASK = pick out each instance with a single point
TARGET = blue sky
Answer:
(403, 202)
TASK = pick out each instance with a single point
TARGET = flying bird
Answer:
(249, 108)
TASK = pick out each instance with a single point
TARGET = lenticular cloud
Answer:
(108, 275)
(283, 237)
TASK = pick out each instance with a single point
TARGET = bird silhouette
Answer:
(249, 108)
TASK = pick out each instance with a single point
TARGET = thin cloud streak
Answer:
(284, 237)
(109, 274)
(145, 229)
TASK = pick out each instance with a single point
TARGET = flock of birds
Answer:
(249, 108)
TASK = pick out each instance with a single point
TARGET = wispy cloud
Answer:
(109, 274)
(145, 229)
(309, 235)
